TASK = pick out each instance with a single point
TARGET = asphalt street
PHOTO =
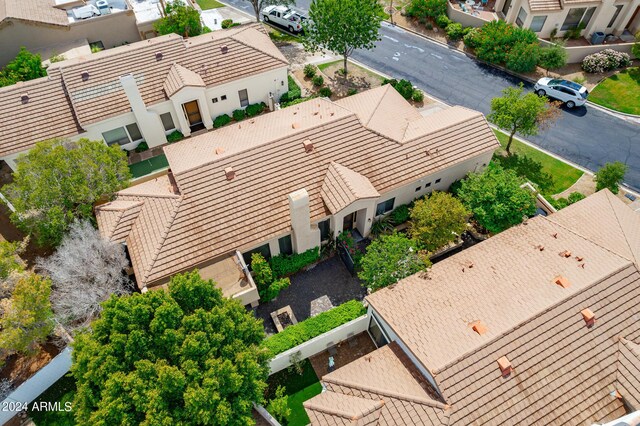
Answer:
(586, 135)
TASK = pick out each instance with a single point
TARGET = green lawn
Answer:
(63, 391)
(209, 4)
(563, 174)
(299, 388)
(298, 416)
(146, 167)
(281, 37)
(620, 92)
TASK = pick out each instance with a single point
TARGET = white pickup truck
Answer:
(285, 17)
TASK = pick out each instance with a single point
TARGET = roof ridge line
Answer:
(457, 123)
(624, 234)
(344, 178)
(255, 48)
(378, 404)
(437, 371)
(163, 238)
(386, 90)
(425, 401)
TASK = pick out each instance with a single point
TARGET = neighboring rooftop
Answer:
(68, 102)
(270, 158)
(544, 5)
(554, 296)
(35, 11)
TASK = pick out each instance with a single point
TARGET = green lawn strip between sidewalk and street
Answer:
(564, 175)
(620, 92)
(209, 4)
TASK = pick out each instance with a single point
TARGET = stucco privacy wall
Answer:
(578, 53)
(465, 19)
(112, 30)
(599, 21)
(320, 343)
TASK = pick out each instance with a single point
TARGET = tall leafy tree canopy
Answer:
(437, 220)
(341, 26)
(553, 57)
(25, 317)
(182, 356)
(180, 19)
(496, 199)
(24, 67)
(388, 259)
(519, 112)
(611, 176)
(58, 181)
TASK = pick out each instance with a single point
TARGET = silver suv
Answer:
(572, 94)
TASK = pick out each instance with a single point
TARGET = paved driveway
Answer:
(586, 136)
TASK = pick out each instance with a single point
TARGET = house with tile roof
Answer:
(143, 91)
(285, 181)
(619, 17)
(52, 27)
(538, 325)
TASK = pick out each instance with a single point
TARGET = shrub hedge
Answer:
(400, 214)
(494, 40)
(293, 93)
(283, 264)
(175, 136)
(312, 327)
(325, 92)
(221, 120)
(239, 114)
(426, 8)
(605, 60)
(255, 109)
(318, 80)
(309, 71)
(274, 289)
(142, 146)
(227, 23)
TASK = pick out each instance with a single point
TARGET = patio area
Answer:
(343, 353)
(480, 9)
(329, 278)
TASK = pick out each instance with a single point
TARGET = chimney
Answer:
(562, 281)
(230, 173)
(224, 49)
(588, 316)
(295, 126)
(158, 56)
(308, 146)
(172, 181)
(505, 366)
(304, 236)
(84, 75)
(24, 98)
(479, 327)
(219, 150)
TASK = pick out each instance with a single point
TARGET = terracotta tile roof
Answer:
(342, 187)
(22, 120)
(385, 375)
(180, 77)
(116, 218)
(101, 96)
(563, 370)
(605, 220)
(270, 162)
(544, 5)
(629, 372)
(351, 409)
(40, 11)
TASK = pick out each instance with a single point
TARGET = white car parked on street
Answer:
(570, 93)
(285, 17)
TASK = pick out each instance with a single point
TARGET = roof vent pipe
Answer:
(85, 75)
(562, 281)
(230, 173)
(308, 146)
(505, 366)
(158, 56)
(24, 98)
(588, 316)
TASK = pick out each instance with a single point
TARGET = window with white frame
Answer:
(167, 121)
(522, 17)
(615, 15)
(537, 23)
(385, 206)
(123, 135)
(579, 16)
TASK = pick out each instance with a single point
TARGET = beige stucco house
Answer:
(284, 181)
(143, 91)
(618, 17)
(537, 325)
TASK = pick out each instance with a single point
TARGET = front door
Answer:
(192, 112)
(349, 221)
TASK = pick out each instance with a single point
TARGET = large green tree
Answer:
(437, 220)
(25, 66)
(388, 259)
(26, 317)
(183, 356)
(341, 26)
(180, 19)
(553, 57)
(9, 260)
(496, 199)
(58, 181)
(520, 112)
(611, 176)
